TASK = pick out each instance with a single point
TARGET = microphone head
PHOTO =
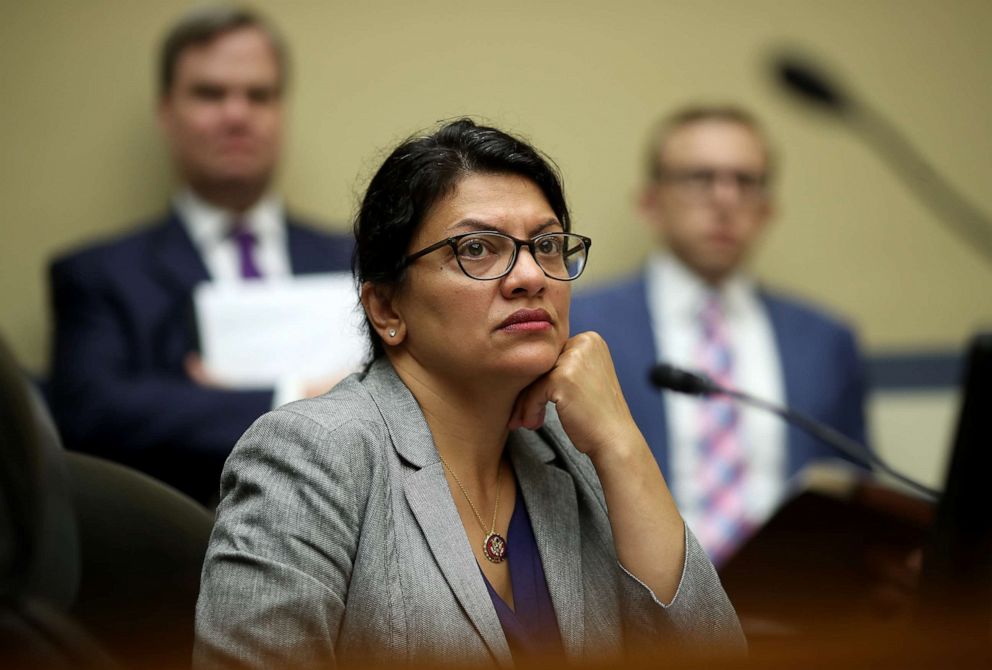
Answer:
(665, 376)
(811, 85)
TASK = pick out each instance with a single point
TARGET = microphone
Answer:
(664, 376)
(800, 78)
(816, 88)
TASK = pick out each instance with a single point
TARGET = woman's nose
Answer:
(525, 275)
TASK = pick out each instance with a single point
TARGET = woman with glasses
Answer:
(480, 494)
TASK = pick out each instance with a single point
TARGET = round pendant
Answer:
(494, 547)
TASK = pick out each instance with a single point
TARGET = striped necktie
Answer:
(722, 522)
(245, 241)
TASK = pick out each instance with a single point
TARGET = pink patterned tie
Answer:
(722, 524)
(245, 240)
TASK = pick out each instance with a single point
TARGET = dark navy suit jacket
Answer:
(821, 365)
(123, 325)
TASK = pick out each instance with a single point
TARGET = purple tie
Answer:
(245, 239)
(723, 523)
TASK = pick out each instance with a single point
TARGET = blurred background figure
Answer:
(126, 379)
(708, 199)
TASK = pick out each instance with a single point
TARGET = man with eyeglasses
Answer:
(708, 200)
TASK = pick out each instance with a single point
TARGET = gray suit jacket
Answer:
(337, 539)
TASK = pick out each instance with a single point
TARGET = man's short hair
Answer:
(204, 24)
(685, 116)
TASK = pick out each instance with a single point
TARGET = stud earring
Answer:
(392, 332)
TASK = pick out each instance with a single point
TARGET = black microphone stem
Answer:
(935, 192)
(921, 178)
(832, 437)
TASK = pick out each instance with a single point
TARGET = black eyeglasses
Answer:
(490, 255)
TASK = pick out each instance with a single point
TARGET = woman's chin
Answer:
(530, 366)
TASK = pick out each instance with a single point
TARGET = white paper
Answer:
(255, 333)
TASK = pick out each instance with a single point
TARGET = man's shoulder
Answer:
(118, 248)
(610, 306)
(318, 232)
(621, 294)
(317, 249)
(801, 312)
(610, 289)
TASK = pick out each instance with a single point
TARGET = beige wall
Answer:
(80, 157)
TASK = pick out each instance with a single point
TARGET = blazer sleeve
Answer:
(700, 619)
(101, 396)
(275, 580)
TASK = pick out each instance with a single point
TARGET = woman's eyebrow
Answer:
(473, 225)
(547, 224)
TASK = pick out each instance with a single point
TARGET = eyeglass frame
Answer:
(517, 244)
(752, 186)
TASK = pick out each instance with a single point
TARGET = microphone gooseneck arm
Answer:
(669, 377)
(923, 180)
(935, 192)
(832, 437)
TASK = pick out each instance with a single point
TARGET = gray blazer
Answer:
(337, 540)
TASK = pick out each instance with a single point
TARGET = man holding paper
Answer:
(127, 379)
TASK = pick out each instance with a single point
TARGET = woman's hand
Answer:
(584, 387)
(647, 530)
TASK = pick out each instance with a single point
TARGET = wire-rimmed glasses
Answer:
(700, 183)
(488, 254)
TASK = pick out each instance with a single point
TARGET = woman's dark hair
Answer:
(422, 171)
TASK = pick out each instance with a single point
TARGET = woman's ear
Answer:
(377, 299)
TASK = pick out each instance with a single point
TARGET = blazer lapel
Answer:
(176, 259)
(549, 494)
(634, 361)
(304, 256)
(429, 497)
(792, 352)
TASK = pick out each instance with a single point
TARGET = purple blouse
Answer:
(531, 628)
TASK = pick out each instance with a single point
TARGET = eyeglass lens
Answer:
(702, 181)
(490, 255)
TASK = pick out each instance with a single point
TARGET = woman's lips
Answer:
(527, 320)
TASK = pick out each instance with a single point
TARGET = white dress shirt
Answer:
(210, 229)
(675, 299)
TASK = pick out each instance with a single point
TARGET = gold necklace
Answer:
(494, 546)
